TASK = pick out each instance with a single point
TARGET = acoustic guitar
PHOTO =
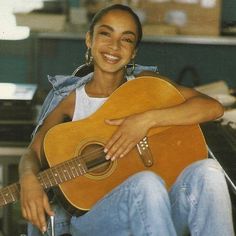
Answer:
(74, 150)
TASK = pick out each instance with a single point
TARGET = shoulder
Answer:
(66, 106)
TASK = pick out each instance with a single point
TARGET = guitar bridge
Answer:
(145, 152)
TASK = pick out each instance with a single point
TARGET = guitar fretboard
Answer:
(53, 176)
(62, 172)
(9, 194)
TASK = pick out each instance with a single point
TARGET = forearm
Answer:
(195, 110)
(29, 163)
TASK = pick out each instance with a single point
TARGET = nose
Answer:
(115, 44)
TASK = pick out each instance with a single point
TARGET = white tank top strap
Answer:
(130, 77)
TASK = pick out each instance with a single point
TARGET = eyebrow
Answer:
(111, 29)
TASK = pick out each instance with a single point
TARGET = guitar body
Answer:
(173, 148)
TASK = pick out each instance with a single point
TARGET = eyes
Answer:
(126, 38)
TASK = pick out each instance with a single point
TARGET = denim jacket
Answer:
(62, 85)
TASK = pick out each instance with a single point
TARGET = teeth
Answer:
(111, 57)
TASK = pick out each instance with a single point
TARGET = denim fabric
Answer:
(62, 85)
(198, 203)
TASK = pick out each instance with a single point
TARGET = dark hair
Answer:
(121, 7)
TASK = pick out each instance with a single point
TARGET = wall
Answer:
(31, 60)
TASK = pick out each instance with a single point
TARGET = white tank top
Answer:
(85, 105)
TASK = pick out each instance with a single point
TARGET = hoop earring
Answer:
(130, 68)
(88, 57)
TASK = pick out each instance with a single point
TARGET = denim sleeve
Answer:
(46, 108)
(139, 68)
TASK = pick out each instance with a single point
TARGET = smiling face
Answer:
(113, 42)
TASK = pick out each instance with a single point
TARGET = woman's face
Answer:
(113, 41)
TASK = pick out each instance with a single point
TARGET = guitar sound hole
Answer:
(94, 159)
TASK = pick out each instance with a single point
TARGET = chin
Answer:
(112, 68)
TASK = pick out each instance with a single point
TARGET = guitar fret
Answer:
(56, 176)
(42, 179)
(78, 167)
(69, 170)
(49, 179)
(15, 191)
(74, 163)
(81, 167)
(53, 177)
(9, 188)
(45, 178)
(6, 194)
(65, 171)
(58, 172)
(4, 199)
(72, 168)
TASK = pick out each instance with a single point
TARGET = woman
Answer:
(198, 203)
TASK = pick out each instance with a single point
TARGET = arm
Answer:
(34, 201)
(196, 108)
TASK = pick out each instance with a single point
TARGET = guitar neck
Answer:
(9, 194)
(62, 172)
(48, 178)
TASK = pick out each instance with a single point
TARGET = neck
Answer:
(104, 84)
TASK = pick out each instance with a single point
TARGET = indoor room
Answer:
(49, 49)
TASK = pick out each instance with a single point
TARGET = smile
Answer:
(111, 58)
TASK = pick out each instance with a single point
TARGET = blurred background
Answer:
(41, 37)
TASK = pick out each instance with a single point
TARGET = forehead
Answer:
(119, 19)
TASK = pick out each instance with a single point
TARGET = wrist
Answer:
(150, 119)
(27, 174)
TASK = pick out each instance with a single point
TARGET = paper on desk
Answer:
(218, 90)
(211, 89)
(229, 117)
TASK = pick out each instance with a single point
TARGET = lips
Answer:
(110, 58)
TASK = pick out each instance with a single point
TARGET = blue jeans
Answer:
(198, 203)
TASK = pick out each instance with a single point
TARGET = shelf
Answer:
(177, 39)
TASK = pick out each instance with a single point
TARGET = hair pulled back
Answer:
(121, 7)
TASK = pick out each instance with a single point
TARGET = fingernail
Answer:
(105, 150)
(44, 229)
(107, 157)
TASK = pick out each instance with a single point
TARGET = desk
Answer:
(9, 158)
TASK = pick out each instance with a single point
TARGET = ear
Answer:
(134, 54)
(88, 40)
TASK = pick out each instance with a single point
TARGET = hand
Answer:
(130, 131)
(34, 201)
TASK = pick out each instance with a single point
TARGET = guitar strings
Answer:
(81, 156)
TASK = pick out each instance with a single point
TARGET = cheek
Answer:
(130, 52)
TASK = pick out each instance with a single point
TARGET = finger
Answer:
(115, 121)
(41, 219)
(28, 212)
(33, 212)
(47, 206)
(128, 149)
(23, 212)
(111, 142)
(123, 150)
(117, 148)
